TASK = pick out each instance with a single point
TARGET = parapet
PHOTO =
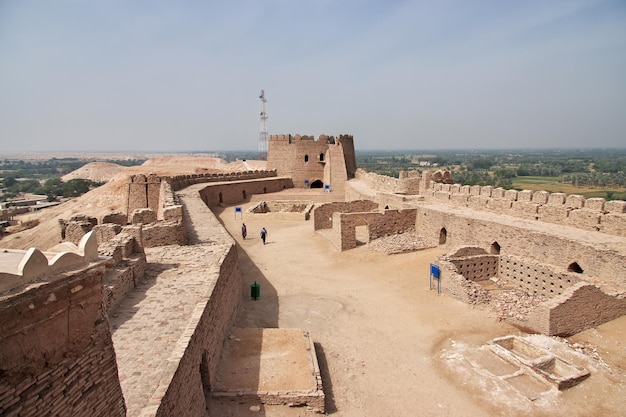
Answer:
(592, 214)
(19, 268)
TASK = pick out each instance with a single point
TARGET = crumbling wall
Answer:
(378, 224)
(56, 352)
(77, 227)
(126, 267)
(164, 233)
(323, 214)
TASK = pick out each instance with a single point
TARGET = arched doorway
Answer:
(317, 184)
(494, 249)
(443, 236)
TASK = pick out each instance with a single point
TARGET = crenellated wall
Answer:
(234, 192)
(592, 214)
(179, 182)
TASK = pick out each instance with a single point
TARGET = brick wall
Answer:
(322, 214)
(56, 352)
(593, 214)
(234, 192)
(524, 239)
(378, 224)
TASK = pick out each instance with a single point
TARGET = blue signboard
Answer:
(435, 273)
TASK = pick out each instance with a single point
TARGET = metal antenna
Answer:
(263, 130)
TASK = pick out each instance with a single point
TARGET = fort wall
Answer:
(234, 192)
(56, 352)
(592, 214)
(194, 363)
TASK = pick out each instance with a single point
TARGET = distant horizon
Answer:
(250, 151)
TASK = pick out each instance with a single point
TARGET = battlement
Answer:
(593, 214)
(322, 139)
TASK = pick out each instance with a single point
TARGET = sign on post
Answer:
(238, 210)
(435, 274)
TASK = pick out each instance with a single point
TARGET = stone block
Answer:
(557, 199)
(498, 192)
(540, 197)
(475, 190)
(465, 189)
(575, 201)
(615, 206)
(595, 204)
(614, 224)
(486, 190)
(585, 219)
(511, 195)
(525, 195)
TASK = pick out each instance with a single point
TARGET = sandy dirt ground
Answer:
(386, 342)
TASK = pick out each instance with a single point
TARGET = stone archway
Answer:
(317, 184)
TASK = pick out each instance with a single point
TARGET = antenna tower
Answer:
(263, 129)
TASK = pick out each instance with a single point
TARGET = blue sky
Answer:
(164, 76)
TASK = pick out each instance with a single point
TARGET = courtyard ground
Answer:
(385, 341)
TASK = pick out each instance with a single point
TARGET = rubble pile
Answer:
(400, 243)
(476, 294)
(514, 303)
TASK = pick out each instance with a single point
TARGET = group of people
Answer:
(244, 232)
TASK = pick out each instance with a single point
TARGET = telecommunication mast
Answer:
(263, 130)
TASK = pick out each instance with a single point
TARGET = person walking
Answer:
(263, 234)
(244, 231)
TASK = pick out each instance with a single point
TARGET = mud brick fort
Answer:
(66, 344)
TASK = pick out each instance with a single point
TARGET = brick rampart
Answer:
(179, 182)
(195, 361)
(234, 192)
(592, 214)
(56, 352)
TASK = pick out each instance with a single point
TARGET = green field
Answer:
(553, 185)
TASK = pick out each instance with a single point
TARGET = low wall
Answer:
(164, 233)
(390, 222)
(323, 214)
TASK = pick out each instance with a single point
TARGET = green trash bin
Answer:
(255, 290)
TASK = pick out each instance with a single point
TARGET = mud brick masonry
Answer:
(63, 310)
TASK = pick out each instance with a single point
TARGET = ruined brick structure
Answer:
(566, 250)
(56, 352)
(313, 163)
(562, 248)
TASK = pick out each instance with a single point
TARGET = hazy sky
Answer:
(109, 75)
